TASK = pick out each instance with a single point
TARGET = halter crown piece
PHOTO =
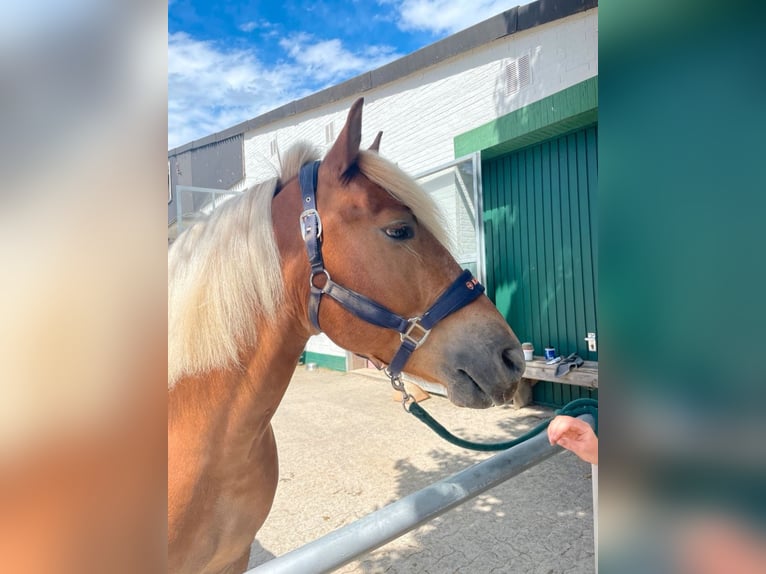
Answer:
(414, 331)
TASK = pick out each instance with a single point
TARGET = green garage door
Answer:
(540, 234)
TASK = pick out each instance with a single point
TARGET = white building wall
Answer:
(421, 114)
(322, 344)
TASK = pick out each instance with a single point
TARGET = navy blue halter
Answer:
(414, 331)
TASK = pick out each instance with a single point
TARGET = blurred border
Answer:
(83, 171)
(683, 197)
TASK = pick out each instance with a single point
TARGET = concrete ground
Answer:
(346, 448)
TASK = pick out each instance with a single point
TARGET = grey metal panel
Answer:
(355, 85)
(219, 165)
(543, 11)
(504, 24)
(267, 118)
(180, 174)
(173, 198)
(183, 171)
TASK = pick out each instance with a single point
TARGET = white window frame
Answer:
(475, 159)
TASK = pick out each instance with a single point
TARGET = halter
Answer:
(414, 331)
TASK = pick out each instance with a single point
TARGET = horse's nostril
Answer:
(512, 360)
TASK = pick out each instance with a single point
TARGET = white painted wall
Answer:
(322, 344)
(421, 114)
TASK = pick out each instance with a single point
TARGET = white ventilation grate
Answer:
(517, 75)
(329, 133)
(273, 147)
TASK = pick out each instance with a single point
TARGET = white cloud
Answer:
(211, 88)
(253, 25)
(446, 16)
(328, 60)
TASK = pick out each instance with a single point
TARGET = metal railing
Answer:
(382, 526)
(189, 207)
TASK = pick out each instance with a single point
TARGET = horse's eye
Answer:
(399, 232)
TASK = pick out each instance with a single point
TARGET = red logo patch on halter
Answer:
(470, 284)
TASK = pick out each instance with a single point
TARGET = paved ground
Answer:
(346, 449)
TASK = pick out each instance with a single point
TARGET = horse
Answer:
(244, 293)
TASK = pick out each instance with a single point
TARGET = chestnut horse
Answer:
(243, 303)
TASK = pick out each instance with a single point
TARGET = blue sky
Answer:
(230, 61)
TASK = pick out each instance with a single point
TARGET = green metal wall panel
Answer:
(327, 361)
(541, 243)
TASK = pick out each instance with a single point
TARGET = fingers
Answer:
(555, 430)
(574, 435)
(561, 425)
(568, 443)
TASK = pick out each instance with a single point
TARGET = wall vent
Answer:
(517, 75)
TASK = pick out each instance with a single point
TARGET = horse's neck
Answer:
(247, 397)
(222, 471)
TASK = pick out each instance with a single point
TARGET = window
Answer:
(456, 188)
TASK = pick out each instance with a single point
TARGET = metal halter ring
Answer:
(314, 274)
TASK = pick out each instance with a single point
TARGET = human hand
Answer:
(575, 435)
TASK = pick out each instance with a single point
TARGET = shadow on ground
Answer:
(346, 450)
(492, 532)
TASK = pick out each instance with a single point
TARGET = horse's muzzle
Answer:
(484, 374)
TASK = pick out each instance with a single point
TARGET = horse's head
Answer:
(382, 237)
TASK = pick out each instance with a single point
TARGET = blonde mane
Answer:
(224, 271)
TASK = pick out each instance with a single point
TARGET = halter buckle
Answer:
(306, 224)
(418, 338)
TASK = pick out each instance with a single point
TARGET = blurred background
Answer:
(682, 276)
(83, 174)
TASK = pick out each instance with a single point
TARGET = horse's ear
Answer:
(343, 153)
(375, 146)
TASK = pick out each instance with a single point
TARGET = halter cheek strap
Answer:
(311, 231)
(413, 332)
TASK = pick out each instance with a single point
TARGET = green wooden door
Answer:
(541, 246)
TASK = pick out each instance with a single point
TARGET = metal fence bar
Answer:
(380, 527)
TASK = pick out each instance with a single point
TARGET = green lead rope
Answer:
(574, 409)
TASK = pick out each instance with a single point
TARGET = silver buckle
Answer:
(418, 338)
(303, 219)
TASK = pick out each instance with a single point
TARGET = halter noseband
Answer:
(414, 331)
